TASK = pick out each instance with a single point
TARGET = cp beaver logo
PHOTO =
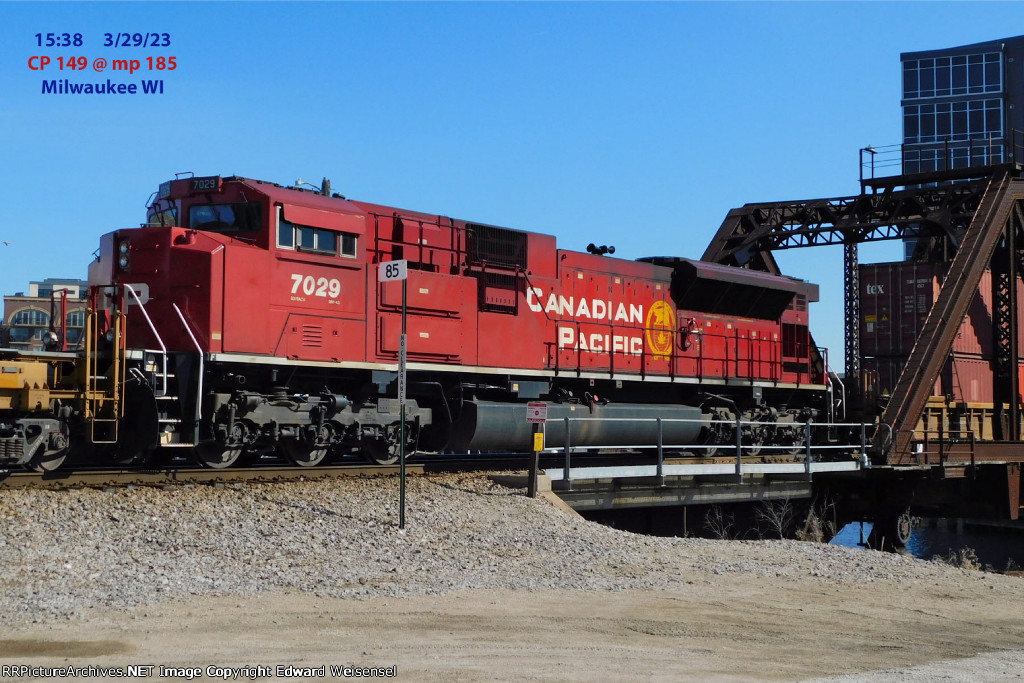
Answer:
(661, 323)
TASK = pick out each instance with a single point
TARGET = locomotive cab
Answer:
(253, 295)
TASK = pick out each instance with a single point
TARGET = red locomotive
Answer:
(255, 322)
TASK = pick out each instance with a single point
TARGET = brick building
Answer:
(27, 314)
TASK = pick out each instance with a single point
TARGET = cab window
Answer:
(225, 218)
(314, 240)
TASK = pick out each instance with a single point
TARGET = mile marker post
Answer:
(537, 415)
(389, 272)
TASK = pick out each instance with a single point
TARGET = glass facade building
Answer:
(960, 104)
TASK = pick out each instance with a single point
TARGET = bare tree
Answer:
(718, 524)
(775, 518)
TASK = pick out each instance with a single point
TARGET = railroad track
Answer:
(188, 474)
(92, 478)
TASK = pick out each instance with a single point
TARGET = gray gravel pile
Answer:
(64, 553)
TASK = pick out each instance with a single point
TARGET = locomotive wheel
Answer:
(47, 463)
(385, 450)
(217, 456)
(759, 436)
(220, 454)
(382, 451)
(42, 462)
(304, 454)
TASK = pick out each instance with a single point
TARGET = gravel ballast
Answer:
(66, 553)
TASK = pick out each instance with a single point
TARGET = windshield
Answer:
(242, 217)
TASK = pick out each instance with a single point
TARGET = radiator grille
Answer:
(497, 246)
(313, 336)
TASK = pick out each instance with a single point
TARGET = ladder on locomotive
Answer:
(170, 388)
(170, 420)
(175, 396)
(104, 374)
(170, 414)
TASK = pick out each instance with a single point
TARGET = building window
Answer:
(952, 121)
(314, 240)
(920, 160)
(927, 160)
(76, 319)
(30, 317)
(950, 76)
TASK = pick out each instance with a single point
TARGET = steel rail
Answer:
(62, 479)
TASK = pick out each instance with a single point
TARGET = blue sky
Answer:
(632, 124)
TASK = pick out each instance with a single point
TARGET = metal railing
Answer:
(156, 335)
(456, 247)
(944, 154)
(806, 448)
(830, 376)
(199, 381)
(923, 443)
(753, 358)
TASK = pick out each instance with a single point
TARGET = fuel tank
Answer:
(492, 426)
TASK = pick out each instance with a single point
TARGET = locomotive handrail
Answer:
(378, 240)
(156, 335)
(61, 315)
(199, 385)
(829, 374)
(754, 363)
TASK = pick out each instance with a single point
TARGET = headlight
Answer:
(123, 247)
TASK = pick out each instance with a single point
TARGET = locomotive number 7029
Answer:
(311, 286)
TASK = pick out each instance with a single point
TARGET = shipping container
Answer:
(895, 299)
(881, 375)
(966, 379)
(962, 379)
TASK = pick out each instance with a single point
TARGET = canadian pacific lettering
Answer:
(583, 309)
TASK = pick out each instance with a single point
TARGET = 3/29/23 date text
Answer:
(136, 40)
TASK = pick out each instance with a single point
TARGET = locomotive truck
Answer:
(245, 318)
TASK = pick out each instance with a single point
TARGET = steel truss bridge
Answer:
(972, 216)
